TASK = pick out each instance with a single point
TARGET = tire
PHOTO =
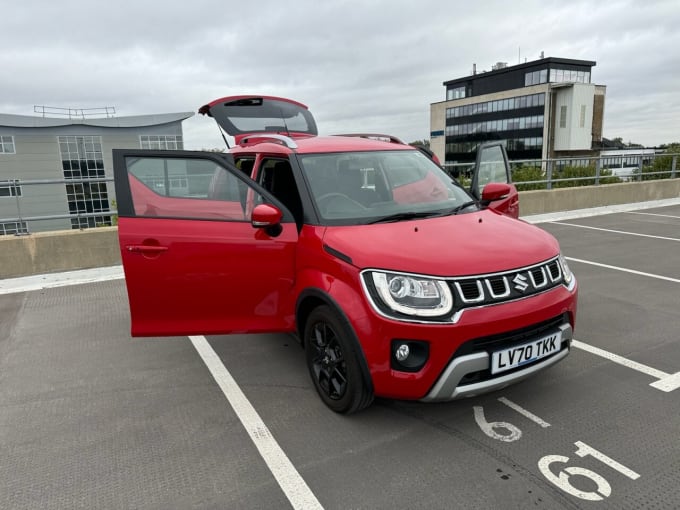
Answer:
(333, 362)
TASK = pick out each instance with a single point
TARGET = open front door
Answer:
(194, 262)
(492, 166)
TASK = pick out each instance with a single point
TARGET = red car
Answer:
(399, 282)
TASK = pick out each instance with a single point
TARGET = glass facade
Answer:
(516, 121)
(492, 126)
(511, 144)
(499, 105)
(457, 93)
(81, 158)
(569, 76)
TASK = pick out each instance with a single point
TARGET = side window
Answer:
(246, 165)
(187, 188)
(276, 176)
(491, 166)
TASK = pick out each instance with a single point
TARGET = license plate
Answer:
(519, 355)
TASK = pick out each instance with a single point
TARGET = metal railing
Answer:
(526, 174)
(15, 190)
(568, 172)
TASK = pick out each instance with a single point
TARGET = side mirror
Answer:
(495, 191)
(268, 217)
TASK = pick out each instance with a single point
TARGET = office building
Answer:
(70, 145)
(547, 108)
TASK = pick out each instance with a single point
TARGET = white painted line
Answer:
(653, 214)
(658, 374)
(676, 239)
(295, 488)
(52, 280)
(524, 412)
(668, 384)
(626, 270)
(599, 211)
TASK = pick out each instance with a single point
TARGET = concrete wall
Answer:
(47, 252)
(569, 199)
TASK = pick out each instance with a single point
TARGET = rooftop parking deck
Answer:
(91, 418)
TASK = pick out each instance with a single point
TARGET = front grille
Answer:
(507, 285)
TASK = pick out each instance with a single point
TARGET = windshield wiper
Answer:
(403, 216)
(460, 207)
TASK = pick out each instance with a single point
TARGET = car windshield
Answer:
(352, 188)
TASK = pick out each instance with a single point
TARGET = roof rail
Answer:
(285, 140)
(376, 136)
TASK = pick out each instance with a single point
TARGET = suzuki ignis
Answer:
(398, 281)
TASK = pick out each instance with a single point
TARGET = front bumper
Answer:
(449, 387)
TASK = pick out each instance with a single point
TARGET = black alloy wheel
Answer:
(332, 363)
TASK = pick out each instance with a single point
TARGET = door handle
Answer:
(144, 248)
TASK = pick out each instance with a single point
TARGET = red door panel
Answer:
(194, 263)
(206, 277)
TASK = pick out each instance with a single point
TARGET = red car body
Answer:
(400, 295)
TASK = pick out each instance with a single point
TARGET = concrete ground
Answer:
(91, 418)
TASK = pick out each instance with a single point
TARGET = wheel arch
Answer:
(311, 298)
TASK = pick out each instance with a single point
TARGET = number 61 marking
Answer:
(561, 479)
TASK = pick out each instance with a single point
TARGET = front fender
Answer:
(348, 301)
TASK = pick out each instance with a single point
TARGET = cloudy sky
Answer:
(359, 65)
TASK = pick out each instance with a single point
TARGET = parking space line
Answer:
(653, 214)
(524, 412)
(615, 231)
(293, 485)
(624, 269)
(666, 382)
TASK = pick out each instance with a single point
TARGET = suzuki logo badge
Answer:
(520, 282)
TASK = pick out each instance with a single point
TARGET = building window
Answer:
(567, 76)
(161, 142)
(489, 126)
(13, 228)
(582, 120)
(7, 144)
(457, 93)
(81, 158)
(536, 77)
(9, 189)
(563, 116)
(499, 105)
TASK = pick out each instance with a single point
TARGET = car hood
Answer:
(465, 244)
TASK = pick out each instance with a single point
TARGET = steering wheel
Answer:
(326, 200)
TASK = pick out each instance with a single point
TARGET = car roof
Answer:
(319, 144)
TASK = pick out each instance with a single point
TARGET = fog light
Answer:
(402, 352)
(408, 355)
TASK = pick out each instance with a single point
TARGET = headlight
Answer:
(568, 275)
(412, 295)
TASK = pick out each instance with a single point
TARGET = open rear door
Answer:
(492, 166)
(241, 116)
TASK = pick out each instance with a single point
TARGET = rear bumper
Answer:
(449, 387)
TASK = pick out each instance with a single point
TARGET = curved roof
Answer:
(32, 121)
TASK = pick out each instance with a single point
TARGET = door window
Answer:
(187, 188)
(492, 166)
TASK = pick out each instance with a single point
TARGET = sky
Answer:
(360, 66)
